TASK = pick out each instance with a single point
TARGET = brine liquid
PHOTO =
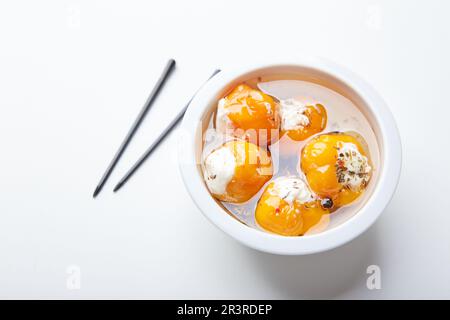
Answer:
(343, 116)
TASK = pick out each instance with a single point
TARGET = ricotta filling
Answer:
(352, 168)
(219, 169)
(292, 113)
(223, 122)
(292, 189)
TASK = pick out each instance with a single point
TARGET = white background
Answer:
(73, 76)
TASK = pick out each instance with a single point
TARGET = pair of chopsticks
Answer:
(158, 86)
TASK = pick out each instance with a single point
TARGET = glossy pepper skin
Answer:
(317, 116)
(319, 163)
(278, 216)
(253, 169)
(253, 114)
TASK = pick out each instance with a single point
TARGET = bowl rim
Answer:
(272, 243)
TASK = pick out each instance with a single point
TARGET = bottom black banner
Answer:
(220, 309)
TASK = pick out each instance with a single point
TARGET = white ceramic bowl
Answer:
(318, 71)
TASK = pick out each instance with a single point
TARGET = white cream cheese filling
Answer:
(218, 170)
(353, 168)
(292, 113)
(223, 122)
(292, 189)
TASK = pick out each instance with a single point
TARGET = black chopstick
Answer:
(162, 79)
(158, 140)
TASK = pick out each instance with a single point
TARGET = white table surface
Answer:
(73, 76)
